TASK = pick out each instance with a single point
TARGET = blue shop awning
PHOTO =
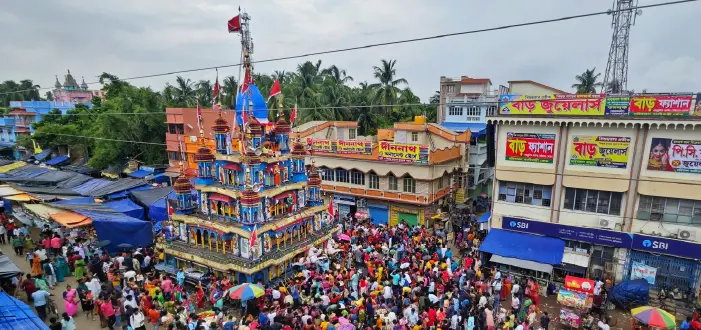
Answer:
(476, 129)
(57, 160)
(541, 249)
(140, 174)
(485, 217)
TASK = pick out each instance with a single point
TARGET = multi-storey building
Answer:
(465, 104)
(400, 175)
(612, 181)
(183, 135)
(23, 114)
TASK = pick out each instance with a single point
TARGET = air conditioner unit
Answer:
(689, 235)
(607, 223)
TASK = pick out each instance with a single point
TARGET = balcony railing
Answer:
(478, 149)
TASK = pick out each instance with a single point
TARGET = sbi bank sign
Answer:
(518, 224)
(650, 244)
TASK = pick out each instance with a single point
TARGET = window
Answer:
(492, 110)
(409, 185)
(173, 155)
(682, 211)
(455, 111)
(525, 193)
(595, 201)
(392, 183)
(342, 176)
(414, 136)
(451, 88)
(176, 129)
(327, 174)
(374, 181)
(357, 177)
(440, 183)
(352, 133)
(473, 113)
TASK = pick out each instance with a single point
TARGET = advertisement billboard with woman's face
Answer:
(675, 155)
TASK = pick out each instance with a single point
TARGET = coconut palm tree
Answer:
(229, 91)
(204, 92)
(338, 75)
(587, 82)
(184, 92)
(387, 89)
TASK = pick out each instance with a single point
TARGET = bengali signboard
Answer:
(600, 151)
(675, 155)
(652, 105)
(617, 105)
(530, 147)
(640, 270)
(403, 153)
(553, 104)
(340, 146)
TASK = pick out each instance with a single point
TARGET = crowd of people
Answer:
(375, 277)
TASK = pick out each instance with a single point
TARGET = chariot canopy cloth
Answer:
(541, 249)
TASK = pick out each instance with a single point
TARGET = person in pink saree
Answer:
(70, 302)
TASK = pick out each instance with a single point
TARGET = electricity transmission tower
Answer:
(624, 13)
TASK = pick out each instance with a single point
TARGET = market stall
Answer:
(576, 298)
(522, 254)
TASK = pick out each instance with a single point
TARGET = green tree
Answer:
(184, 92)
(587, 82)
(204, 93)
(229, 91)
(386, 89)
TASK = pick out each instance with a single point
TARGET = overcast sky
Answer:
(41, 39)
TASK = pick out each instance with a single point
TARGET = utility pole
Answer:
(624, 13)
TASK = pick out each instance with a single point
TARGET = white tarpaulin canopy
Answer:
(575, 258)
(526, 264)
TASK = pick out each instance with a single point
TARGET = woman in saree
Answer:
(200, 296)
(70, 303)
(507, 287)
(79, 268)
(36, 265)
(61, 269)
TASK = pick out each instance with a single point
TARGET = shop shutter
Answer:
(379, 214)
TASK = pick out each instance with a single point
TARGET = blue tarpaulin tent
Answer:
(509, 244)
(90, 185)
(155, 201)
(139, 174)
(127, 207)
(15, 314)
(485, 217)
(79, 200)
(42, 155)
(57, 160)
(125, 193)
(120, 229)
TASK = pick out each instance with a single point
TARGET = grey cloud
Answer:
(131, 38)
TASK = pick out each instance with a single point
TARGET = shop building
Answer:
(616, 178)
(401, 175)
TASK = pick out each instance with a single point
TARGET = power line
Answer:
(396, 42)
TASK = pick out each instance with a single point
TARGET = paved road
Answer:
(81, 321)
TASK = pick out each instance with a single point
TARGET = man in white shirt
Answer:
(41, 253)
(514, 290)
(603, 325)
(597, 287)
